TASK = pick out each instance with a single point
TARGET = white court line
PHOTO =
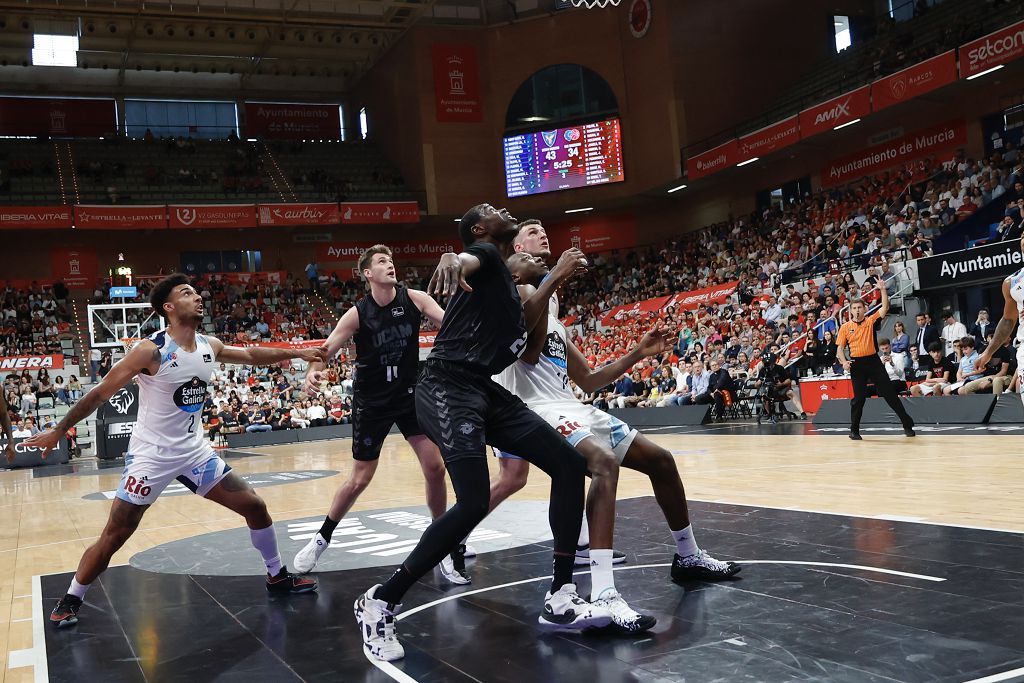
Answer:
(34, 656)
(402, 677)
(1012, 675)
(887, 518)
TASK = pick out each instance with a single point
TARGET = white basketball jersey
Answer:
(548, 380)
(1017, 292)
(171, 401)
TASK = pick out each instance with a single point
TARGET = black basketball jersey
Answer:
(485, 328)
(387, 348)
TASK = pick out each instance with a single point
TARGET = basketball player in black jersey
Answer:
(385, 325)
(463, 410)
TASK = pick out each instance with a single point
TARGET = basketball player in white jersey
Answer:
(1013, 311)
(172, 368)
(545, 389)
(386, 327)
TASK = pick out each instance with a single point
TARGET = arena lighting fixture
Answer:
(844, 125)
(586, 208)
(748, 161)
(677, 188)
(985, 72)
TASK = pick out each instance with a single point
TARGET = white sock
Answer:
(685, 544)
(265, 541)
(584, 533)
(78, 589)
(601, 575)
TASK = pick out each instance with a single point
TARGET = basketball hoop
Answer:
(129, 343)
(591, 4)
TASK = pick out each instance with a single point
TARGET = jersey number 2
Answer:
(191, 423)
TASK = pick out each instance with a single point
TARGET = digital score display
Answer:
(564, 158)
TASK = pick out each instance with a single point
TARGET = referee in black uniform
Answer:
(864, 365)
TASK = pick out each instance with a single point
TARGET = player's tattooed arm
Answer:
(5, 423)
(138, 359)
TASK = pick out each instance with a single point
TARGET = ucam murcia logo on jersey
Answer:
(191, 395)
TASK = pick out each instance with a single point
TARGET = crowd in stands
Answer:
(33, 321)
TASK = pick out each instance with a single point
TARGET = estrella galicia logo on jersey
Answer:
(397, 312)
(191, 395)
(122, 400)
(554, 349)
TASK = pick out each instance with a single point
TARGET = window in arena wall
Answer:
(171, 118)
(558, 95)
(341, 120)
(54, 50)
(843, 36)
(364, 125)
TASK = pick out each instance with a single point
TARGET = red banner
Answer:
(35, 217)
(41, 116)
(717, 294)
(835, 112)
(457, 83)
(427, 338)
(713, 160)
(53, 362)
(211, 215)
(593, 235)
(349, 252)
(622, 314)
(78, 268)
(895, 152)
(380, 212)
(299, 214)
(913, 82)
(276, 277)
(769, 139)
(292, 121)
(90, 217)
(996, 48)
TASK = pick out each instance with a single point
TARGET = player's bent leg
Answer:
(434, 472)
(690, 563)
(236, 495)
(603, 467)
(122, 522)
(513, 474)
(344, 497)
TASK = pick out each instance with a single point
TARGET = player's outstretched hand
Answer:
(47, 440)
(982, 361)
(447, 277)
(657, 340)
(571, 262)
(317, 355)
(312, 384)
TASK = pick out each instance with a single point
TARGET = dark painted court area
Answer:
(955, 616)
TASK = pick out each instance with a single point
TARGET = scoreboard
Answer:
(564, 158)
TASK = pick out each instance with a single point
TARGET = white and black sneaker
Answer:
(453, 567)
(307, 558)
(565, 610)
(583, 556)
(470, 552)
(702, 567)
(376, 620)
(624, 618)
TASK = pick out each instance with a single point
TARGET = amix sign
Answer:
(987, 263)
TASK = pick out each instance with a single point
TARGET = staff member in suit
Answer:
(864, 365)
(981, 329)
(926, 333)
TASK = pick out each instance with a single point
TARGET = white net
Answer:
(591, 4)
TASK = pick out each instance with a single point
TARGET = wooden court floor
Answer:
(971, 480)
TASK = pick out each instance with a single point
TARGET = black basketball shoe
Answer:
(66, 611)
(285, 582)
